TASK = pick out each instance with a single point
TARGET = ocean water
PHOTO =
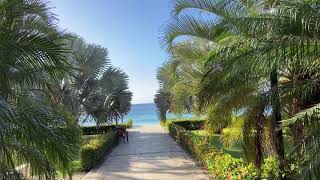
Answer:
(144, 114)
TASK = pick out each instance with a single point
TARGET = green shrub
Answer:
(222, 165)
(129, 123)
(188, 124)
(91, 130)
(163, 123)
(96, 148)
(270, 168)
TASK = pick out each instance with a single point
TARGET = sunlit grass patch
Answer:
(215, 142)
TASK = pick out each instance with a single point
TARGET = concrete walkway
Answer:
(150, 154)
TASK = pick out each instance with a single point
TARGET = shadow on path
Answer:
(150, 154)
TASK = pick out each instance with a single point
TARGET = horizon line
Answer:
(143, 103)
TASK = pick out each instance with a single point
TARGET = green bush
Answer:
(96, 148)
(222, 165)
(270, 168)
(129, 123)
(163, 123)
(187, 124)
(91, 130)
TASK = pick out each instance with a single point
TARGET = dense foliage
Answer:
(220, 164)
(95, 150)
(49, 78)
(91, 130)
(96, 90)
(187, 124)
(252, 69)
(96, 141)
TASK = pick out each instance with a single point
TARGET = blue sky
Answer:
(130, 29)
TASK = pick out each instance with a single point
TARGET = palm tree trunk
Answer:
(297, 127)
(259, 138)
(276, 129)
(163, 115)
(77, 116)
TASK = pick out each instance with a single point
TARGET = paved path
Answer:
(150, 154)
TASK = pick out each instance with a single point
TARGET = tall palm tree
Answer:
(162, 102)
(181, 75)
(95, 88)
(270, 33)
(34, 129)
(89, 61)
(221, 76)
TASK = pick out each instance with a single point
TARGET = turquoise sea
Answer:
(145, 114)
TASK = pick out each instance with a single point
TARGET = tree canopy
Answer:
(254, 60)
(48, 79)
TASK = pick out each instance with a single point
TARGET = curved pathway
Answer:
(150, 154)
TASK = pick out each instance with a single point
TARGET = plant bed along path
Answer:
(150, 154)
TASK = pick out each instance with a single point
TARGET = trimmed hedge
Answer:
(92, 152)
(218, 163)
(91, 130)
(187, 124)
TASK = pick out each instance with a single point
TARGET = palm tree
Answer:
(270, 34)
(162, 102)
(112, 100)
(216, 94)
(95, 88)
(181, 76)
(34, 129)
(89, 61)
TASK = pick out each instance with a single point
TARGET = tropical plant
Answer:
(34, 129)
(263, 59)
(112, 100)
(48, 79)
(95, 89)
(179, 78)
(89, 61)
(162, 102)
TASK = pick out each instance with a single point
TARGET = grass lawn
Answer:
(235, 151)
